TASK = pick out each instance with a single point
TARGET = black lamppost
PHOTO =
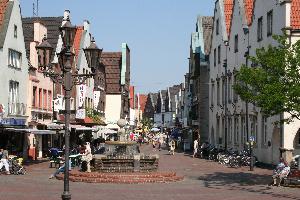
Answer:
(67, 78)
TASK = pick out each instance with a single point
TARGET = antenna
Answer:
(35, 9)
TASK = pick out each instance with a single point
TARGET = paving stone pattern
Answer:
(202, 180)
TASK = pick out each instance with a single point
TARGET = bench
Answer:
(293, 178)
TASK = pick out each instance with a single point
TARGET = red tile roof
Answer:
(112, 62)
(3, 6)
(77, 41)
(295, 14)
(131, 96)
(143, 101)
(228, 10)
(249, 10)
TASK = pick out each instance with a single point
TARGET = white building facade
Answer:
(240, 27)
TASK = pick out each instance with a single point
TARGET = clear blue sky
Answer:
(157, 32)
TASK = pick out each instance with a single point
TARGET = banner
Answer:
(81, 95)
(80, 114)
(58, 104)
(96, 99)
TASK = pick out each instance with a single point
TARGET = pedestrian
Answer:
(172, 147)
(61, 169)
(196, 145)
(153, 143)
(282, 169)
(160, 141)
(88, 156)
(4, 160)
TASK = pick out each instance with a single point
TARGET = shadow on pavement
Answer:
(243, 181)
(240, 178)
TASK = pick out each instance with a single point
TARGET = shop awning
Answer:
(82, 128)
(36, 131)
(54, 126)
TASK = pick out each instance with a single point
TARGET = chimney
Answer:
(66, 14)
(86, 25)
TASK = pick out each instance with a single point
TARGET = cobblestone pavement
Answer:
(202, 180)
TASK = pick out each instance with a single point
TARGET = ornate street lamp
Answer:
(67, 78)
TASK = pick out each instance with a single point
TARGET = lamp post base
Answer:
(66, 196)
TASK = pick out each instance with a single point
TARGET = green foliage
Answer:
(274, 82)
(147, 122)
(95, 115)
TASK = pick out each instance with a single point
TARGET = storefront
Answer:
(10, 139)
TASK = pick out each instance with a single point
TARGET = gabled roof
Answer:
(77, 41)
(163, 94)
(112, 62)
(207, 24)
(51, 23)
(131, 96)
(143, 101)
(153, 97)
(228, 10)
(6, 7)
(249, 4)
(295, 14)
(3, 6)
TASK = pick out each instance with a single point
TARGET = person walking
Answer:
(172, 147)
(4, 161)
(61, 169)
(196, 145)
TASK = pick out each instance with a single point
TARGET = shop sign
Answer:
(80, 114)
(81, 95)
(12, 121)
(58, 104)
(96, 99)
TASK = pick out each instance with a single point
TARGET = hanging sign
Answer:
(81, 94)
(96, 99)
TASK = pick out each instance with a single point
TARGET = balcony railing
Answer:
(16, 109)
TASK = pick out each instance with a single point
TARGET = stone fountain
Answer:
(124, 156)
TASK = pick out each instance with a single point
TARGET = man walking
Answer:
(4, 160)
(196, 145)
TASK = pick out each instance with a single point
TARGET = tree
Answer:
(273, 83)
(146, 123)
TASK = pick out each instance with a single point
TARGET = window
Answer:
(215, 57)
(217, 27)
(212, 93)
(219, 54)
(270, 23)
(264, 129)
(34, 96)
(15, 31)
(218, 93)
(229, 129)
(49, 100)
(260, 29)
(223, 92)
(229, 89)
(44, 99)
(236, 43)
(243, 126)
(235, 96)
(236, 130)
(253, 127)
(13, 96)
(14, 58)
(40, 98)
(218, 128)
